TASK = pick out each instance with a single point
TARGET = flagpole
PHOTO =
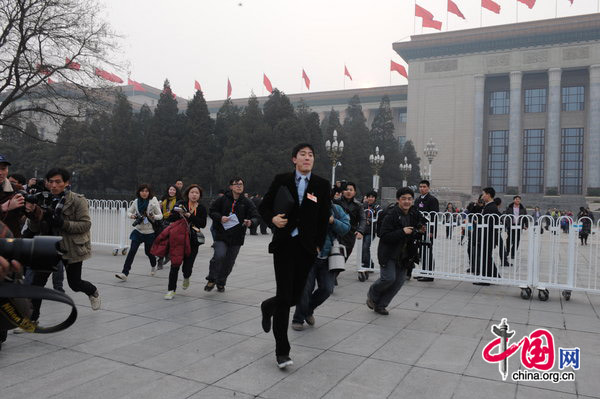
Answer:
(556, 9)
(481, 15)
(446, 18)
(415, 18)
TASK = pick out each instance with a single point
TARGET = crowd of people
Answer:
(309, 219)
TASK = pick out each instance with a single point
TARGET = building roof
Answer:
(581, 28)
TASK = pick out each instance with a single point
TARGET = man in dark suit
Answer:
(486, 236)
(299, 228)
(426, 202)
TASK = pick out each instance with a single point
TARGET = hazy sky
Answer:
(210, 40)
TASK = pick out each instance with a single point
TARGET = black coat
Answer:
(522, 211)
(244, 209)
(427, 204)
(311, 218)
(394, 242)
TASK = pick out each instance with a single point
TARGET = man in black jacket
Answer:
(358, 221)
(486, 237)
(513, 227)
(231, 215)
(426, 202)
(297, 208)
(394, 250)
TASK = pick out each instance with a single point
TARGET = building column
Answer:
(552, 139)
(478, 132)
(514, 134)
(593, 134)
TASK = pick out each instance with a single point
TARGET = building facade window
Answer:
(573, 98)
(533, 161)
(535, 100)
(571, 161)
(499, 102)
(402, 118)
(497, 159)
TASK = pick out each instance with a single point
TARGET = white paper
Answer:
(233, 221)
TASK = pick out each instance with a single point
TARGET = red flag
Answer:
(43, 69)
(347, 73)
(111, 77)
(528, 3)
(423, 13)
(428, 21)
(491, 5)
(571, 1)
(197, 85)
(72, 64)
(431, 23)
(398, 68)
(453, 8)
(267, 84)
(136, 85)
(306, 79)
(228, 88)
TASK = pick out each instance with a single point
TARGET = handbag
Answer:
(199, 236)
(337, 259)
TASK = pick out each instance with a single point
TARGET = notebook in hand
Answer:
(284, 201)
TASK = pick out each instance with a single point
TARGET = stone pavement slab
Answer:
(211, 345)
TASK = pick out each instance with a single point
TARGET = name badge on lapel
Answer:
(311, 197)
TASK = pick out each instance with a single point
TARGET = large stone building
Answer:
(516, 107)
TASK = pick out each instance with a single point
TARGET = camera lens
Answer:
(40, 253)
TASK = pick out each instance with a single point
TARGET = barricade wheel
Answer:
(526, 293)
(115, 252)
(362, 277)
(566, 295)
(543, 295)
(367, 275)
(124, 251)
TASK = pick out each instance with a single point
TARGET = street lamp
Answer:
(405, 169)
(376, 164)
(430, 153)
(334, 150)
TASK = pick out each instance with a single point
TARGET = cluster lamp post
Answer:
(376, 162)
(405, 169)
(334, 150)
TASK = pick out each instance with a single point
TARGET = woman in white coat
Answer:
(144, 210)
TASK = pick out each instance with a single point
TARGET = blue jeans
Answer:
(366, 252)
(391, 278)
(311, 300)
(135, 244)
(58, 277)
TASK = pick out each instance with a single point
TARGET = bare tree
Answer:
(49, 54)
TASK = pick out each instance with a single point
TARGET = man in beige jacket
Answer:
(68, 217)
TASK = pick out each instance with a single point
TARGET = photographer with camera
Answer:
(401, 233)
(144, 210)
(67, 216)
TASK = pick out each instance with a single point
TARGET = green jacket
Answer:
(76, 243)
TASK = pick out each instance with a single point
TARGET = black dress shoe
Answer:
(220, 288)
(284, 361)
(424, 278)
(382, 311)
(266, 319)
(209, 286)
(483, 284)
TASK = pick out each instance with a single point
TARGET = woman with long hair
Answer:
(144, 210)
(168, 201)
(194, 213)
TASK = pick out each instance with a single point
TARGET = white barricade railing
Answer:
(362, 269)
(110, 225)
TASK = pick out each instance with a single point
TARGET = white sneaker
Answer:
(153, 271)
(18, 330)
(169, 295)
(186, 283)
(121, 276)
(95, 301)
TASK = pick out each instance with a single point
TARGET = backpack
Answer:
(382, 216)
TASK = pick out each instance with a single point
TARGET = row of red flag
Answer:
(429, 20)
(111, 77)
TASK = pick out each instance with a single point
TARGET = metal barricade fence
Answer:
(363, 269)
(110, 225)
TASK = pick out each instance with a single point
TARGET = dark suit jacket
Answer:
(491, 209)
(310, 218)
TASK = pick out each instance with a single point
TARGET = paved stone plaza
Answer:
(211, 345)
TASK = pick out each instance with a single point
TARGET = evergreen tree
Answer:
(162, 161)
(199, 144)
(411, 155)
(121, 147)
(277, 108)
(382, 136)
(25, 149)
(357, 147)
